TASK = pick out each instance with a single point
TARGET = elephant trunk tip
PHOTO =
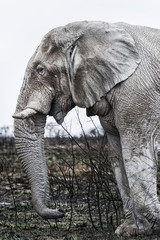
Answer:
(50, 213)
(45, 211)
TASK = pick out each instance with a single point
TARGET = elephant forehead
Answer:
(47, 45)
(61, 37)
(49, 57)
(49, 41)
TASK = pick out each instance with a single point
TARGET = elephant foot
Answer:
(130, 228)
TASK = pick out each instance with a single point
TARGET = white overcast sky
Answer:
(24, 22)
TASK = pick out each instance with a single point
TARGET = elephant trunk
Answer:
(29, 138)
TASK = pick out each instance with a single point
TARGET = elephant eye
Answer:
(41, 70)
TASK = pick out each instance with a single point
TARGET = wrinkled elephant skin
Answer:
(112, 70)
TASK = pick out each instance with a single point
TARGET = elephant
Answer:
(113, 71)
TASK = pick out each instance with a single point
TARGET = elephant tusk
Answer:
(26, 113)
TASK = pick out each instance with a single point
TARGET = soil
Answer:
(82, 184)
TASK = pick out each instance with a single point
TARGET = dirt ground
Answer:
(82, 184)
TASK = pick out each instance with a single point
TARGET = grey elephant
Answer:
(112, 70)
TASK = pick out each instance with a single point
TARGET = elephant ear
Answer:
(102, 58)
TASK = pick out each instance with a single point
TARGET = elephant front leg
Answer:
(135, 223)
(141, 169)
(115, 157)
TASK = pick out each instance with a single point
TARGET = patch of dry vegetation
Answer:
(81, 182)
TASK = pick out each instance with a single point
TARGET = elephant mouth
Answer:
(58, 116)
(26, 113)
(59, 119)
(57, 111)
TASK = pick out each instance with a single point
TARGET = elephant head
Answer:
(74, 65)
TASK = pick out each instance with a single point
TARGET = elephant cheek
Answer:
(41, 101)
